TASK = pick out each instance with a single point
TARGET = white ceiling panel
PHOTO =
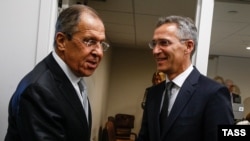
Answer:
(165, 7)
(112, 5)
(233, 44)
(231, 12)
(117, 18)
(245, 31)
(231, 29)
(224, 33)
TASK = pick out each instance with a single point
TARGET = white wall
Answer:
(25, 39)
(18, 46)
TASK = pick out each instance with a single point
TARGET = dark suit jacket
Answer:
(200, 106)
(45, 107)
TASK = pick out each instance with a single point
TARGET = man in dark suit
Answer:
(195, 105)
(48, 105)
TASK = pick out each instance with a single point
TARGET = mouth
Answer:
(92, 64)
(161, 59)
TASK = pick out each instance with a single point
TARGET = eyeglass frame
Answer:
(152, 45)
(90, 43)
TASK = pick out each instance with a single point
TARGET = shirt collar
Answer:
(179, 80)
(72, 77)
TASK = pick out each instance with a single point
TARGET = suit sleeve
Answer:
(38, 118)
(218, 112)
(143, 134)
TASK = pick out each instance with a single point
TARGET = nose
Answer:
(97, 51)
(98, 46)
(157, 49)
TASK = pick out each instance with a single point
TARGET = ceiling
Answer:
(130, 23)
(231, 28)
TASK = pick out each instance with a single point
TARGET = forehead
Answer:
(91, 26)
(168, 29)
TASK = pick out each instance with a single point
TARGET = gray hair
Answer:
(68, 20)
(185, 25)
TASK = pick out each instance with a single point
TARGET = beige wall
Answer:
(131, 72)
(97, 93)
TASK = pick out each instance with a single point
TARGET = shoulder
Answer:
(39, 76)
(157, 87)
(199, 80)
(207, 86)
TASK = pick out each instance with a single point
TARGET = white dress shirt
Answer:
(178, 81)
(74, 81)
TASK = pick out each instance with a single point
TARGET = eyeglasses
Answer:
(162, 43)
(95, 44)
(90, 43)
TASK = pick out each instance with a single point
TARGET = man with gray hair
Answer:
(50, 103)
(188, 106)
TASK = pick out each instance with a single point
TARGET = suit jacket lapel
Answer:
(70, 94)
(66, 89)
(155, 96)
(90, 117)
(184, 95)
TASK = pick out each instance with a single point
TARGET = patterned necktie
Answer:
(164, 109)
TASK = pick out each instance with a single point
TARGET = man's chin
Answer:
(86, 73)
(160, 68)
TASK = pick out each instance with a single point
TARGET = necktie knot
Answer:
(169, 85)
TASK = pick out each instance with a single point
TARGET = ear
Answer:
(61, 40)
(189, 46)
